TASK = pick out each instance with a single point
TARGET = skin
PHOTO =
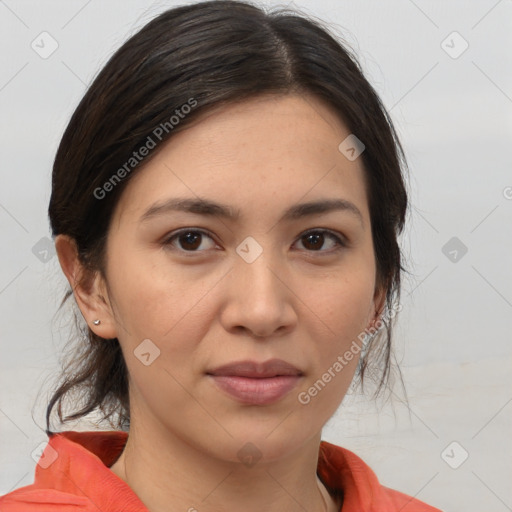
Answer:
(297, 301)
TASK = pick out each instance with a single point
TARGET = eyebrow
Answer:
(213, 209)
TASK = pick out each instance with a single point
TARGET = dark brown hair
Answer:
(212, 53)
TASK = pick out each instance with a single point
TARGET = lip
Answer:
(254, 369)
(250, 382)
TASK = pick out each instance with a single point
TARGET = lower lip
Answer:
(256, 391)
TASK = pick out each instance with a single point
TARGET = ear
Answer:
(379, 301)
(89, 289)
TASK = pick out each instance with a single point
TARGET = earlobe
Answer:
(88, 289)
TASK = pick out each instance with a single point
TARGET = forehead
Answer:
(265, 152)
(269, 124)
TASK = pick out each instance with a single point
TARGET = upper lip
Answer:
(258, 370)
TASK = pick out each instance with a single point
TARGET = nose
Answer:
(259, 302)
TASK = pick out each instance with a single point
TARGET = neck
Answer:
(167, 473)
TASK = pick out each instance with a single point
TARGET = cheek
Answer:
(175, 312)
(154, 301)
(336, 352)
(344, 303)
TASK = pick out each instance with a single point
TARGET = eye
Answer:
(189, 239)
(315, 239)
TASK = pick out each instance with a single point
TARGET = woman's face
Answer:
(251, 287)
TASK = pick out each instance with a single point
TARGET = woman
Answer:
(225, 204)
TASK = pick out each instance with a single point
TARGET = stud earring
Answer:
(97, 322)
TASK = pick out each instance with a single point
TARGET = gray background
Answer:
(453, 112)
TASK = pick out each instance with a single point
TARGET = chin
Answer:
(266, 444)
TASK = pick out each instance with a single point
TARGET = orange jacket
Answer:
(73, 475)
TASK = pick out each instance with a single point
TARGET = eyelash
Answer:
(339, 240)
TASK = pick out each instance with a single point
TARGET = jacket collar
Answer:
(84, 458)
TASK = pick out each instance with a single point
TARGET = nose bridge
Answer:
(256, 269)
(260, 301)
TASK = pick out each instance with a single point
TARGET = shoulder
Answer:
(346, 474)
(406, 503)
(32, 499)
(72, 474)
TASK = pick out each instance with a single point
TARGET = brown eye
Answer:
(315, 240)
(188, 240)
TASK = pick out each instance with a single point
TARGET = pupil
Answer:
(190, 238)
(317, 239)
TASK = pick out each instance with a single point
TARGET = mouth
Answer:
(254, 383)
